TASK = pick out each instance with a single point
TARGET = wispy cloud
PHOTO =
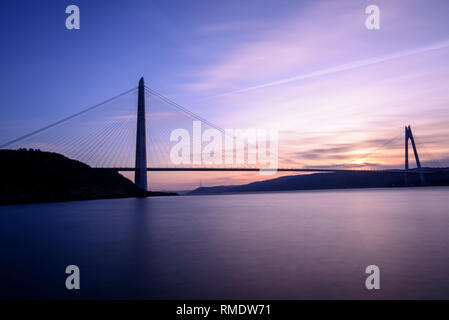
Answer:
(214, 29)
(344, 67)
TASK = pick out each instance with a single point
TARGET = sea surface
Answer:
(290, 245)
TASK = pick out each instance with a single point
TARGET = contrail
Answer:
(340, 68)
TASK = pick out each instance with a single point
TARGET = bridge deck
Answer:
(261, 169)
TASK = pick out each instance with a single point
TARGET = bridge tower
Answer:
(409, 136)
(140, 177)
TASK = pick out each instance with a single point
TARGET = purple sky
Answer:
(310, 69)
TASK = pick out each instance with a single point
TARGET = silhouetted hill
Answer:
(35, 176)
(334, 180)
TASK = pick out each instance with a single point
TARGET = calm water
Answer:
(254, 246)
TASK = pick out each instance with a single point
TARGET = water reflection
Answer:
(256, 246)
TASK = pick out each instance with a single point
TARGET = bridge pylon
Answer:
(409, 136)
(140, 174)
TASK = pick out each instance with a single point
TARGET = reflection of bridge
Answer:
(97, 151)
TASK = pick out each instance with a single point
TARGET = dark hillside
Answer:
(335, 180)
(35, 176)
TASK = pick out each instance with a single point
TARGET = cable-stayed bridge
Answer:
(112, 135)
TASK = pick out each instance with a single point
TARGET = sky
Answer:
(334, 90)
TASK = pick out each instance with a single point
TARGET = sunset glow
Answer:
(338, 94)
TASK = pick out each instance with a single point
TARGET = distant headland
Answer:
(335, 180)
(30, 176)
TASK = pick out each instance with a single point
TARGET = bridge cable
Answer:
(386, 143)
(192, 114)
(179, 107)
(65, 119)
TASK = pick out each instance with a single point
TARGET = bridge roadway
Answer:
(262, 169)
